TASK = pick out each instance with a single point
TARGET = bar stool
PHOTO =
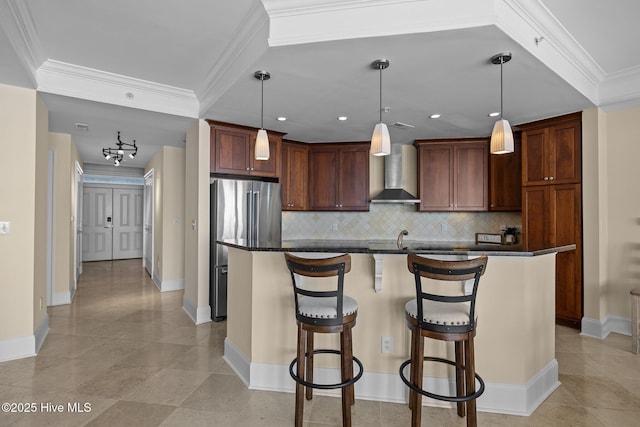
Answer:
(323, 311)
(446, 318)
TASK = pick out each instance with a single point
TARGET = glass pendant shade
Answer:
(501, 138)
(380, 140)
(262, 145)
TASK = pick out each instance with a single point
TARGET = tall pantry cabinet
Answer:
(552, 204)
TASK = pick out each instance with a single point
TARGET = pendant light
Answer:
(262, 140)
(502, 136)
(380, 140)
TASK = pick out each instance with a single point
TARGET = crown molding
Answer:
(309, 21)
(620, 90)
(248, 44)
(21, 31)
(61, 78)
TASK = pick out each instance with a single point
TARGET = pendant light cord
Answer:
(380, 93)
(262, 103)
(501, 108)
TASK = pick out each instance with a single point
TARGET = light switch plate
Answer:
(488, 238)
(5, 227)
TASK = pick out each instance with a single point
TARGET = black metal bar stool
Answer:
(444, 317)
(323, 311)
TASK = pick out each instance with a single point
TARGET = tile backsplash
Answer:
(385, 221)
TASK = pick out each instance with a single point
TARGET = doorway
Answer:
(112, 220)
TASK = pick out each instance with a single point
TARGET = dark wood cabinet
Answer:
(552, 204)
(453, 175)
(232, 151)
(295, 176)
(551, 217)
(339, 177)
(552, 151)
(505, 179)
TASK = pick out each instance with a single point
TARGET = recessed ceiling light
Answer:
(281, 118)
(130, 95)
(494, 114)
(82, 126)
(342, 118)
(434, 116)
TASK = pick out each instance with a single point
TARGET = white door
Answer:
(127, 223)
(97, 240)
(148, 223)
(111, 223)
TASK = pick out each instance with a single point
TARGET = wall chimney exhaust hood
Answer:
(393, 191)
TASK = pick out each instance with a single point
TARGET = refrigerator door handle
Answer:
(256, 216)
(249, 218)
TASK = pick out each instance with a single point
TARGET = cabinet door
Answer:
(535, 157)
(566, 228)
(535, 217)
(435, 186)
(353, 179)
(269, 167)
(322, 174)
(566, 163)
(471, 177)
(294, 177)
(232, 150)
(505, 178)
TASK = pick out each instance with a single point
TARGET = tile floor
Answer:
(137, 359)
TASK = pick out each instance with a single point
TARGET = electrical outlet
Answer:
(386, 344)
(443, 227)
(5, 227)
(335, 226)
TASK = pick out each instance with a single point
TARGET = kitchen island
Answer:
(515, 343)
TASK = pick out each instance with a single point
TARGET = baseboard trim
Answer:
(17, 348)
(61, 298)
(512, 399)
(157, 280)
(41, 332)
(602, 328)
(199, 315)
(171, 285)
(239, 363)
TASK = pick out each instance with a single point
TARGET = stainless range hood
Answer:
(393, 191)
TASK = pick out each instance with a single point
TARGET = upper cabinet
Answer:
(232, 151)
(339, 177)
(295, 176)
(453, 175)
(505, 179)
(551, 151)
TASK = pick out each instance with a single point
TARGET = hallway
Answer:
(133, 354)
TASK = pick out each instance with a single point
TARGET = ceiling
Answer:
(150, 68)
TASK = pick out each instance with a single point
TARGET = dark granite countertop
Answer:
(390, 247)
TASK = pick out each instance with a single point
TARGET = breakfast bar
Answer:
(515, 342)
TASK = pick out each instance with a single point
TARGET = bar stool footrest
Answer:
(413, 387)
(343, 384)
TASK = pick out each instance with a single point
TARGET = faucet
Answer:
(400, 236)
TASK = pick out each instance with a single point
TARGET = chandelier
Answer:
(117, 153)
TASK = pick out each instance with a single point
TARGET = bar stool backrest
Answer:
(319, 267)
(446, 271)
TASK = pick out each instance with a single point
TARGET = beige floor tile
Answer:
(219, 393)
(193, 418)
(200, 358)
(136, 414)
(167, 387)
(615, 418)
(599, 392)
(71, 346)
(116, 381)
(154, 354)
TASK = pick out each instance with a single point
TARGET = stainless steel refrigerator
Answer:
(247, 211)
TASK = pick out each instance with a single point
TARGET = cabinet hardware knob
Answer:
(551, 178)
(546, 178)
